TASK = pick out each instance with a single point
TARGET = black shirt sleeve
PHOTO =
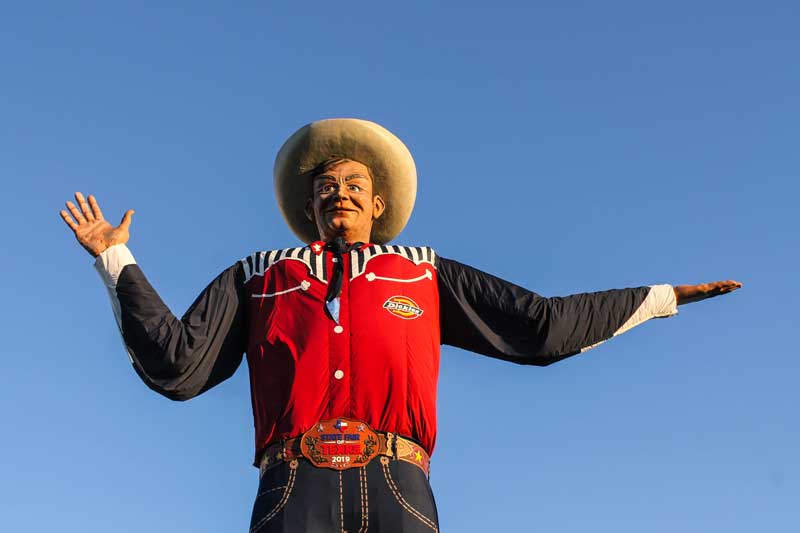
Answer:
(182, 358)
(485, 314)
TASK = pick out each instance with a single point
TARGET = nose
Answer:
(341, 192)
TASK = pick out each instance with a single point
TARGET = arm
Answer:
(177, 358)
(490, 316)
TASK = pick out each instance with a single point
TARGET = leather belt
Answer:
(343, 443)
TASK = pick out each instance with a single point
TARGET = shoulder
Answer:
(388, 252)
(257, 263)
(411, 263)
(415, 254)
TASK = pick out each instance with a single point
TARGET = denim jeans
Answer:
(385, 496)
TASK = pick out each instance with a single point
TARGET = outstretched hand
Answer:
(93, 231)
(686, 294)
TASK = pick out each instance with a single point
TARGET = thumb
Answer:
(126, 219)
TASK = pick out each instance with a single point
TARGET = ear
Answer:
(309, 209)
(378, 207)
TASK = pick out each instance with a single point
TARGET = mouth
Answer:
(340, 210)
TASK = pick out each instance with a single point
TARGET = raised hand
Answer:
(686, 294)
(93, 231)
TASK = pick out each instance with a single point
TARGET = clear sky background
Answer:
(566, 146)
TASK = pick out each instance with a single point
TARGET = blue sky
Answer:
(565, 146)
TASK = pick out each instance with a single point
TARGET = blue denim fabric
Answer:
(385, 496)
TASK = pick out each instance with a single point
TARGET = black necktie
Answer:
(338, 247)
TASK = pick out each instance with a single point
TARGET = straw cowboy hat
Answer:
(389, 161)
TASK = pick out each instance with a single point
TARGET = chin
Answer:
(334, 230)
(339, 226)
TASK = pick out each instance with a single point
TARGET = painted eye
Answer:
(355, 188)
(326, 188)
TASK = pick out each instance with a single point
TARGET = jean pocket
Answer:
(411, 491)
(274, 490)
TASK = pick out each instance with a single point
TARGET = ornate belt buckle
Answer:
(340, 443)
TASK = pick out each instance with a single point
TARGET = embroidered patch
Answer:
(403, 306)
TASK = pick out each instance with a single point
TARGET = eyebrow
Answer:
(351, 176)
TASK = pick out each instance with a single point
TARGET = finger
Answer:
(126, 219)
(720, 285)
(98, 214)
(68, 220)
(84, 206)
(75, 213)
(725, 288)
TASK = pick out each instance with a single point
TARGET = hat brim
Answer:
(393, 172)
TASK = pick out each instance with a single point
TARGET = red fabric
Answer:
(390, 363)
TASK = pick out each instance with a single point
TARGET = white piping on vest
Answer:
(304, 285)
(372, 277)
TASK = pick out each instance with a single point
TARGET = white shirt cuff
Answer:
(659, 303)
(663, 303)
(111, 261)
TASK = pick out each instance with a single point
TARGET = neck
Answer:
(349, 237)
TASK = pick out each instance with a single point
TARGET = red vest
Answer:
(379, 364)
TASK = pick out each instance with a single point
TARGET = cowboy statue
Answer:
(342, 335)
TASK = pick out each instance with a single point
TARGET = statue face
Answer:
(343, 203)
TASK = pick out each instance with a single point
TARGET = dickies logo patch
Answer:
(403, 307)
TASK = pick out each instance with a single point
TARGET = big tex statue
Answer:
(342, 335)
